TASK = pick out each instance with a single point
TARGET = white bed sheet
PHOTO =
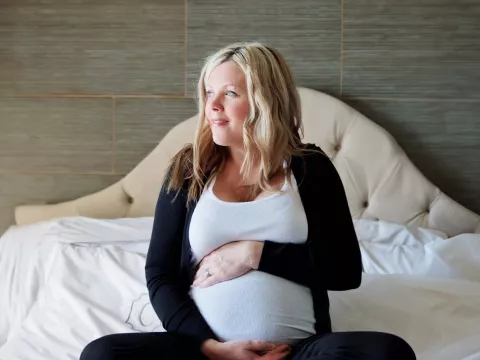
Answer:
(25, 256)
(389, 248)
(439, 318)
(94, 285)
(91, 291)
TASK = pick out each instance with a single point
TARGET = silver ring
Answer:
(207, 272)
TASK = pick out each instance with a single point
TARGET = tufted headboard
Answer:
(379, 179)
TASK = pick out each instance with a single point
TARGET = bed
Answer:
(73, 271)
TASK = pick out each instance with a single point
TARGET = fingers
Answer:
(202, 266)
(281, 352)
(208, 281)
(205, 278)
(217, 276)
(201, 279)
(220, 270)
(281, 348)
(276, 356)
(260, 345)
(216, 271)
(202, 273)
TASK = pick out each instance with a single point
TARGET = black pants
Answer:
(331, 346)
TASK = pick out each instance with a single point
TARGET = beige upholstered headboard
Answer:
(379, 179)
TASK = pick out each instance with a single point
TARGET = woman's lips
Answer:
(219, 122)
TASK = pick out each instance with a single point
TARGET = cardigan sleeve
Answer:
(331, 256)
(168, 289)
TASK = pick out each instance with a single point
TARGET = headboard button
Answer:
(130, 200)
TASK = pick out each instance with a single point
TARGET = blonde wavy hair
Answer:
(272, 131)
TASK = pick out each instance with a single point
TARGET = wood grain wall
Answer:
(88, 88)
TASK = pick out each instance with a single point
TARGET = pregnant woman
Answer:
(251, 229)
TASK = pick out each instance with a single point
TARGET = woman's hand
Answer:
(244, 350)
(228, 262)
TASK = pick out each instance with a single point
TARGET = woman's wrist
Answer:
(255, 249)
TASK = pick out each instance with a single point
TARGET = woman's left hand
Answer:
(228, 262)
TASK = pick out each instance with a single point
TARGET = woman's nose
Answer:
(216, 104)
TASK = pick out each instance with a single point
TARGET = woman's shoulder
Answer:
(181, 167)
(312, 152)
(313, 162)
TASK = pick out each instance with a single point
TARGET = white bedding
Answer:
(65, 282)
(26, 257)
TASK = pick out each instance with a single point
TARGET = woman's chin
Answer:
(221, 141)
(224, 138)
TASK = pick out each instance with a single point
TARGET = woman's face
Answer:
(227, 106)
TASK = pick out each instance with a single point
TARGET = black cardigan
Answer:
(329, 260)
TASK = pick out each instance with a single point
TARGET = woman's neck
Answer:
(236, 156)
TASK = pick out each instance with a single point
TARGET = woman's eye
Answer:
(231, 93)
(209, 93)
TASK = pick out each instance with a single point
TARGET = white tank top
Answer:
(257, 305)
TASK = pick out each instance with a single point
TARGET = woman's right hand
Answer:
(244, 350)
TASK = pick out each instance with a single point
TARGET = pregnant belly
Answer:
(257, 306)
